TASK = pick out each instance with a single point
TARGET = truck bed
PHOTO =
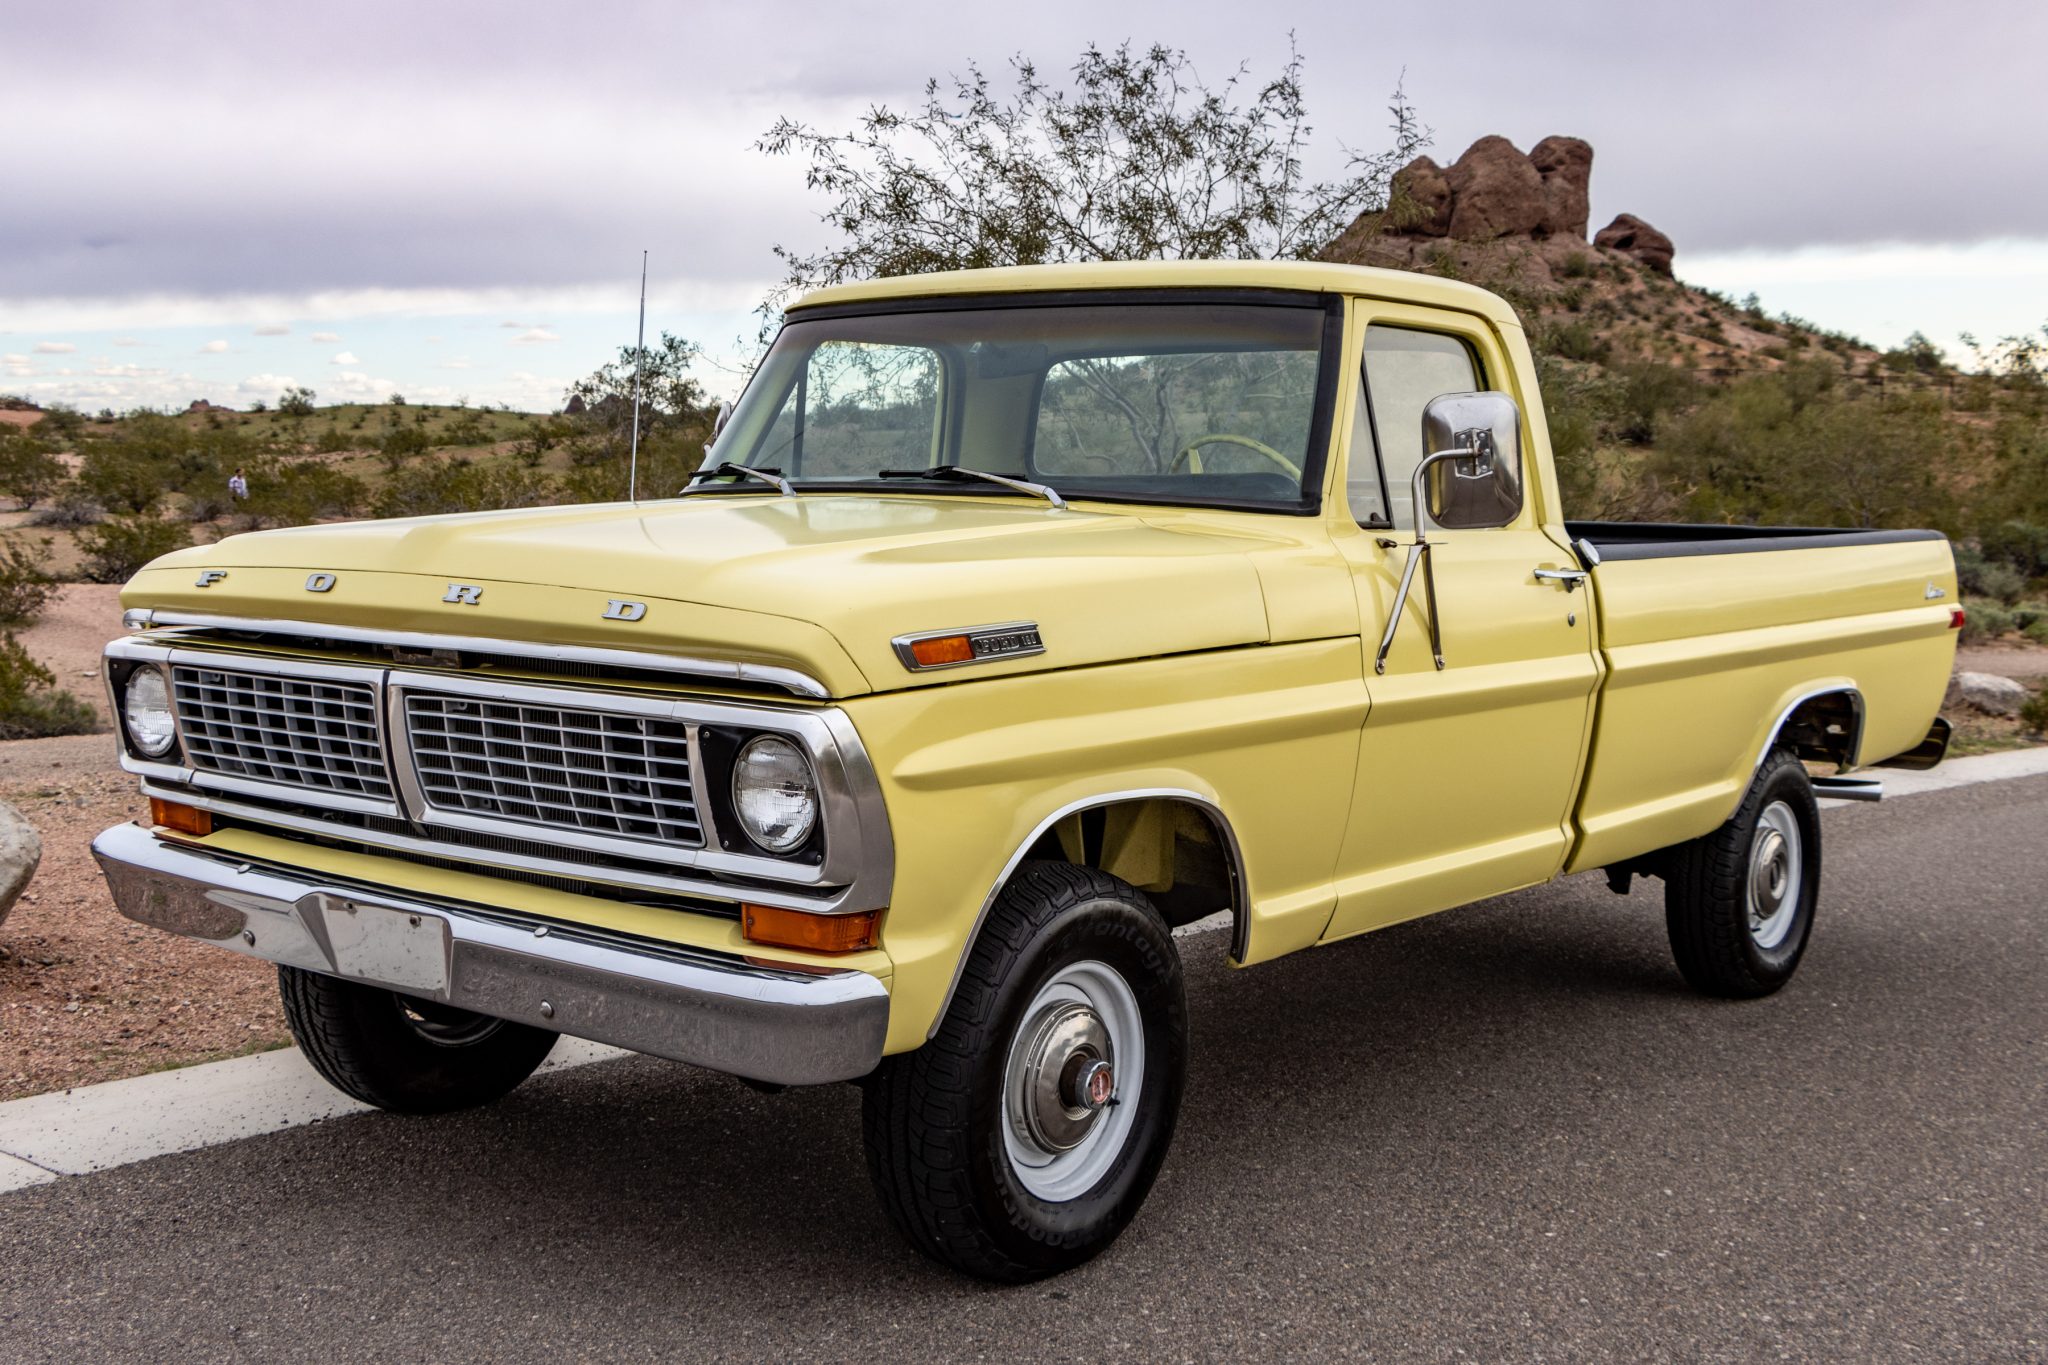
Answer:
(1711, 635)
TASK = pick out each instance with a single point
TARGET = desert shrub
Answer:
(31, 704)
(1575, 341)
(401, 443)
(298, 494)
(2037, 630)
(332, 438)
(29, 472)
(2020, 544)
(466, 430)
(434, 487)
(116, 548)
(70, 507)
(1576, 266)
(1993, 579)
(296, 401)
(1985, 621)
(2034, 713)
(25, 585)
(121, 479)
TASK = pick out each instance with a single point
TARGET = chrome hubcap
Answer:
(1075, 1060)
(1774, 875)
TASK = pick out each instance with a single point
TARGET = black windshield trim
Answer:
(1061, 298)
(1328, 363)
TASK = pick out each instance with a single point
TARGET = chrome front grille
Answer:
(569, 768)
(266, 727)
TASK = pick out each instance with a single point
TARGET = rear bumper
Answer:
(784, 1027)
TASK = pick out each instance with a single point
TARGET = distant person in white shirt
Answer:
(238, 485)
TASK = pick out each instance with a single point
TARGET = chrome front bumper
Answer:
(785, 1027)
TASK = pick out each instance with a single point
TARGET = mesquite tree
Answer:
(1136, 159)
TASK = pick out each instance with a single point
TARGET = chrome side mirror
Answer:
(1481, 484)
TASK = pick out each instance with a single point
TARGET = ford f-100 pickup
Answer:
(1015, 619)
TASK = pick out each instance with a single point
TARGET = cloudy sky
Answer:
(218, 199)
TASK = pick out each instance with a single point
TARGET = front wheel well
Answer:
(1179, 851)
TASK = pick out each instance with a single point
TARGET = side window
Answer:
(1363, 491)
(857, 407)
(1404, 369)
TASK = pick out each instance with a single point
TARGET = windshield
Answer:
(1196, 401)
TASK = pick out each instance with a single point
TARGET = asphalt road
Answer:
(1505, 1133)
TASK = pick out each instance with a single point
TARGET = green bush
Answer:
(1992, 578)
(32, 706)
(2037, 629)
(1576, 266)
(401, 444)
(299, 494)
(25, 586)
(116, 548)
(29, 472)
(434, 487)
(1575, 341)
(2034, 714)
(2020, 544)
(71, 507)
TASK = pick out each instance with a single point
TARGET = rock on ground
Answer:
(21, 851)
(1986, 692)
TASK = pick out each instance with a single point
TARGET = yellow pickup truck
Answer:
(1016, 618)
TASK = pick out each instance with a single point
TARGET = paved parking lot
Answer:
(1505, 1133)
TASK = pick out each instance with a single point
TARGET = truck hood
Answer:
(819, 583)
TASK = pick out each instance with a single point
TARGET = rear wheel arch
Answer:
(1820, 724)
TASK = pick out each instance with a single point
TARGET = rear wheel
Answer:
(1739, 903)
(405, 1054)
(1021, 1139)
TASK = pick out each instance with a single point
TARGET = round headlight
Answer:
(146, 706)
(774, 794)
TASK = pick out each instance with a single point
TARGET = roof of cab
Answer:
(1400, 286)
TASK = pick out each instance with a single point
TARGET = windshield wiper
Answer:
(959, 473)
(768, 475)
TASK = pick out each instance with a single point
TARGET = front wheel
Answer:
(1021, 1139)
(1739, 903)
(407, 1055)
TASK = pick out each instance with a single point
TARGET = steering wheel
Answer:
(1189, 456)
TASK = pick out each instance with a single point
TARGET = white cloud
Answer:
(213, 348)
(535, 334)
(273, 330)
(54, 348)
(128, 341)
(345, 358)
(13, 360)
(326, 338)
(460, 362)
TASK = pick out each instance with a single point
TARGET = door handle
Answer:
(1571, 578)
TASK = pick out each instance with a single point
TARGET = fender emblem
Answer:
(1933, 593)
(616, 610)
(208, 577)
(464, 594)
(320, 582)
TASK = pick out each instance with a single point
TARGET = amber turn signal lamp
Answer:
(811, 933)
(184, 819)
(1956, 618)
(942, 649)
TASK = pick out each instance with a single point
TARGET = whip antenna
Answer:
(639, 359)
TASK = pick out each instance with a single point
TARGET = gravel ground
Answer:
(86, 995)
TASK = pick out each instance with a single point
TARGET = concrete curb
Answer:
(97, 1127)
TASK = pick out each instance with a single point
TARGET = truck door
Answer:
(1466, 771)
